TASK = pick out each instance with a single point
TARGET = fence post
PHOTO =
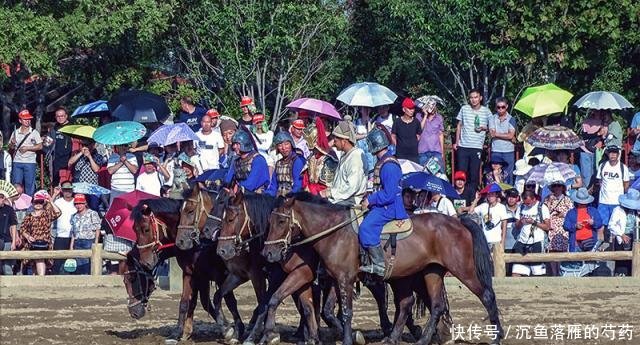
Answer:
(635, 260)
(499, 268)
(96, 259)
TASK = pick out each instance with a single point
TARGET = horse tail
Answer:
(481, 254)
(420, 307)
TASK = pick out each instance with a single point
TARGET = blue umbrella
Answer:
(430, 183)
(212, 175)
(119, 133)
(169, 134)
(96, 108)
(89, 188)
(366, 95)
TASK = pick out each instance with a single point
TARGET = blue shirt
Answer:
(635, 123)
(389, 196)
(193, 119)
(296, 171)
(258, 175)
(571, 219)
(502, 127)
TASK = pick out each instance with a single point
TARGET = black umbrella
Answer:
(140, 106)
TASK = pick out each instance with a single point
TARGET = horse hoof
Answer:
(359, 338)
(228, 333)
(416, 332)
(233, 341)
(274, 341)
(170, 341)
(248, 342)
(388, 341)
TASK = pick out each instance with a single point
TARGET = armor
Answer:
(377, 140)
(243, 166)
(283, 136)
(284, 172)
(378, 168)
(322, 170)
(244, 139)
(310, 134)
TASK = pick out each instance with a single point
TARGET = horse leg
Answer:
(434, 283)
(379, 294)
(231, 282)
(258, 281)
(188, 323)
(345, 289)
(330, 299)
(305, 298)
(185, 299)
(403, 300)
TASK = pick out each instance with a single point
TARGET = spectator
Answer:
(248, 108)
(526, 131)
(169, 164)
(406, 132)
(62, 227)
(36, 227)
(497, 173)
(188, 167)
(21, 204)
(634, 131)
(522, 169)
(532, 218)
(297, 128)
(385, 117)
(613, 176)
(60, 149)
(151, 180)
(85, 231)
(191, 113)
(228, 128)
(26, 142)
(210, 145)
(494, 219)
(9, 239)
(5, 161)
(502, 130)
(441, 204)
(122, 166)
(467, 195)
(611, 130)
(188, 148)
(264, 139)
(363, 126)
(583, 223)
(624, 226)
(431, 143)
(562, 156)
(85, 165)
(590, 128)
(559, 204)
(470, 135)
(512, 233)
(215, 120)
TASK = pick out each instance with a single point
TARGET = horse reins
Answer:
(156, 225)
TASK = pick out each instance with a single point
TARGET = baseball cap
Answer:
(79, 199)
(66, 185)
(299, 124)
(460, 175)
(25, 115)
(213, 113)
(258, 118)
(408, 103)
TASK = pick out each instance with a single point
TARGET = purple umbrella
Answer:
(316, 106)
(169, 134)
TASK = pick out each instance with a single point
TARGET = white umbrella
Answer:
(367, 95)
(408, 166)
(605, 100)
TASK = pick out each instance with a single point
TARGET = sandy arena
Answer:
(567, 308)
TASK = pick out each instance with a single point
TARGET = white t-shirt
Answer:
(208, 147)
(122, 180)
(525, 231)
(497, 213)
(612, 182)
(618, 223)
(388, 122)
(63, 223)
(302, 145)
(150, 183)
(444, 206)
(33, 138)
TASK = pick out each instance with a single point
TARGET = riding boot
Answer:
(376, 263)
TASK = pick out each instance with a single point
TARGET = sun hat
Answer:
(227, 125)
(299, 124)
(460, 175)
(25, 115)
(630, 199)
(66, 185)
(581, 196)
(148, 158)
(257, 118)
(79, 199)
(521, 167)
(345, 130)
(246, 101)
(185, 159)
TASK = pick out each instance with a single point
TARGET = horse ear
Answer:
(289, 201)
(144, 207)
(237, 196)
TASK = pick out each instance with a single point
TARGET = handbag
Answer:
(39, 245)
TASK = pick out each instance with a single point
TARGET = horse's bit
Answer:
(142, 274)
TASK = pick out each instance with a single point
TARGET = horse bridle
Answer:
(156, 226)
(194, 235)
(141, 273)
(246, 224)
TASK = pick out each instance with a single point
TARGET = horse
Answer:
(426, 254)
(155, 222)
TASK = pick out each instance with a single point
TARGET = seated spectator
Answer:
(583, 223)
(559, 204)
(497, 173)
(9, 239)
(623, 225)
(150, 180)
(36, 226)
(441, 204)
(85, 230)
(533, 221)
(494, 218)
(467, 194)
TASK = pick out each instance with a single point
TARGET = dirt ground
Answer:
(567, 308)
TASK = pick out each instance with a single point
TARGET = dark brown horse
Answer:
(155, 223)
(438, 244)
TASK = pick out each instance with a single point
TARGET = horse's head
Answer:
(194, 217)
(139, 284)
(283, 227)
(235, 226)
(145, 227)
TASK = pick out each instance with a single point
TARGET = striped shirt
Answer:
(469, 138)
(122, 180)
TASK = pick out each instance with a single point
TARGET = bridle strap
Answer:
(156, 224)
(245, 224)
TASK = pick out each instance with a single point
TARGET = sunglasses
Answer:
(38, 202)
(501, 107)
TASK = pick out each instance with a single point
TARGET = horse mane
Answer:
(162, 205)
(259, 207)
(314, 199)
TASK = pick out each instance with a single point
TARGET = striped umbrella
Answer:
(555, 138)
(366, 95)
(544, 174)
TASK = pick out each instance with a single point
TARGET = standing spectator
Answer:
(191, 113)
(150, 180)
(406, 132)
(502, 129)
(26, 142)
(384, 117)
(611, 130)
(228, 129)
(494, 219)
(363, 126)
(122, 166)
(532, 218)
(497, 173)
(85, 230)
(62, 227)
(512, 233)
(215, 120)
(473, 120)
(21, 204)
(559, 204)
(583, 223)
(634, 131)
(36, 227)
(60, 149)
(590, 128)
(210, 145)
(613, 176)
(624, 226)
(522, 168)
(5, 161)
(248, 108)
(264, 139)
(85, 165)
(296, 130)
(467, 195)
(9, 238)
(431, 143)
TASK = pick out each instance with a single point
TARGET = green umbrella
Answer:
(119, 133)
(543, 100)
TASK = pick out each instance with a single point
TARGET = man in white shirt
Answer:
(494, 219)
(150, 181)
(442, 204)
(613, 176)
(26, 141)
(210, 145)
(533, 220)
(122, 165)
(62, 230)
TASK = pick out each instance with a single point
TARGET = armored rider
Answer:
(287, 177)
(249, 169)
(385, 203)
(322, 164)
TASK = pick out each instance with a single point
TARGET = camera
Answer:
(489, 225)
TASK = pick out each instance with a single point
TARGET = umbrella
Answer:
(545, 174)
(212, 175)
(543, 100)
(8, 188)
(170, 134)
(89, 188)
(118, 214)
(555, 138)
(366, 95)
(96, 108)
(22, 203)
(119, 133)
(78, 131)
(605, 100)
(408, 166)
(496, 187)
(316, 106)
(140, 106)
(430, 183)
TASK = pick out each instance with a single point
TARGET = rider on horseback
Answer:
(287, 177)
(250, 168)
(385, 203)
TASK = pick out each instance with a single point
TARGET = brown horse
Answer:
(438, 244)
(155, 223)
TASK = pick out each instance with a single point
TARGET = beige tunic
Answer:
(350, 181)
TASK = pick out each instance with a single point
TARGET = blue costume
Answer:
(287, 177)
(249, 169)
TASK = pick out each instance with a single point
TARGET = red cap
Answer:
(257, 118)
(460, 175)
(245, 101)
(79, 199)
(299, 124)
(39, 197)
(213, 113)
(408, 103)
(303, 114)
(25, 115)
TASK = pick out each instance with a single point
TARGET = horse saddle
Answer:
(400, 228)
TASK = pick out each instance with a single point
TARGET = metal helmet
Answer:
(244, 139)
(377, 140)
(283, 136)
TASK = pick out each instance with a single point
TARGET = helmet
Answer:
(377, 140)
(283, 136)
(244, 139)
